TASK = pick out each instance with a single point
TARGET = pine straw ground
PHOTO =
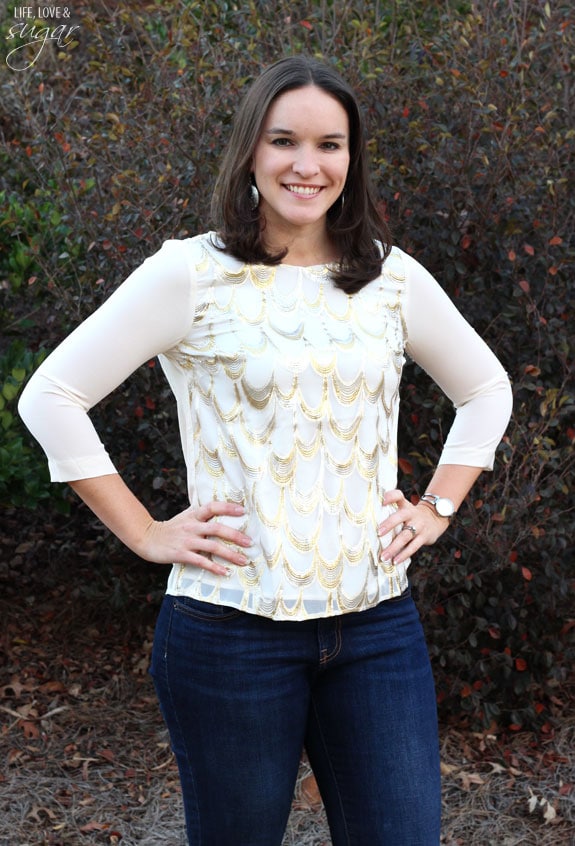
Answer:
(84, 754)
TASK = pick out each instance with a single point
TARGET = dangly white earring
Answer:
(254, 195)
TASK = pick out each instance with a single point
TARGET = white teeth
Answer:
(303, 189)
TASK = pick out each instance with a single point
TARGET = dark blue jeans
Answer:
(242, 695)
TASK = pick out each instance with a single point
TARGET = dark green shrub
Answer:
(23, 478)
(112, 146)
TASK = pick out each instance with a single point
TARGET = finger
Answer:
(217, 508)
(398, 502)
(222, 550)
(390, 524)
(223, 531)
(395, 521)
(394, 496)
(404, 543)
(210, 555)
(410, 528)
(399, 551)
(208, 526)
(197, 560)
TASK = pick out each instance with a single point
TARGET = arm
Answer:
(458, 360)
(147, 315)
(190, 537)
(453, 481)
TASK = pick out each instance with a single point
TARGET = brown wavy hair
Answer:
(354, 224)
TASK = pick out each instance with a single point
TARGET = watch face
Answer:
(444, 507)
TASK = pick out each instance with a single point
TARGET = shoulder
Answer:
(396, 269)
(416, 281)
(403, 265)
(185, 264)
(203, 253)
(184, 251)
(396, 265)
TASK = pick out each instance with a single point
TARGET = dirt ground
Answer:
(84, 756)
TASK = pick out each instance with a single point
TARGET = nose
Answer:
(305, 163)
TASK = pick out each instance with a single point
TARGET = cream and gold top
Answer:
(287, 392)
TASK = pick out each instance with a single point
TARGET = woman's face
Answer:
(301, 161)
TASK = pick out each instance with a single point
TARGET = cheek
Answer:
(265, 164)
(258, 158)
(344, 169)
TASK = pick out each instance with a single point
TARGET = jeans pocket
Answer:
(207, 611)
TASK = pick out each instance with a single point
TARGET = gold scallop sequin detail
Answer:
(292, 397)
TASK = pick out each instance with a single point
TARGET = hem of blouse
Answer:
(251, 603)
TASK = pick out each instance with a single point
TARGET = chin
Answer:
(303, 219)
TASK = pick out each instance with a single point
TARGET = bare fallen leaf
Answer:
(310, 795)
(95, 826)
(549, 814)
(497, 768)
(38, 813)
(447, 769)
(30, 729)
(14, 756)
(467, 779)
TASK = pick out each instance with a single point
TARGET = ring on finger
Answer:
(411, 529)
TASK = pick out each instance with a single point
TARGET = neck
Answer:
(304, 249)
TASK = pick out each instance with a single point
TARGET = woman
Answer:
(288, 620)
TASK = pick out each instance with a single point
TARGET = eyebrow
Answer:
(276, 130)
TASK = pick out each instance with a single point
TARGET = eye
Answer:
(281, 142)
(331, 145)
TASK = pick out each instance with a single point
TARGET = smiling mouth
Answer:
(304, 190)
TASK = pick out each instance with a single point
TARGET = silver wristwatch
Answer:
(443, 506)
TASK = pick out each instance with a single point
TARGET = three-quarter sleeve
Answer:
(147, 315)
(444, 344)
